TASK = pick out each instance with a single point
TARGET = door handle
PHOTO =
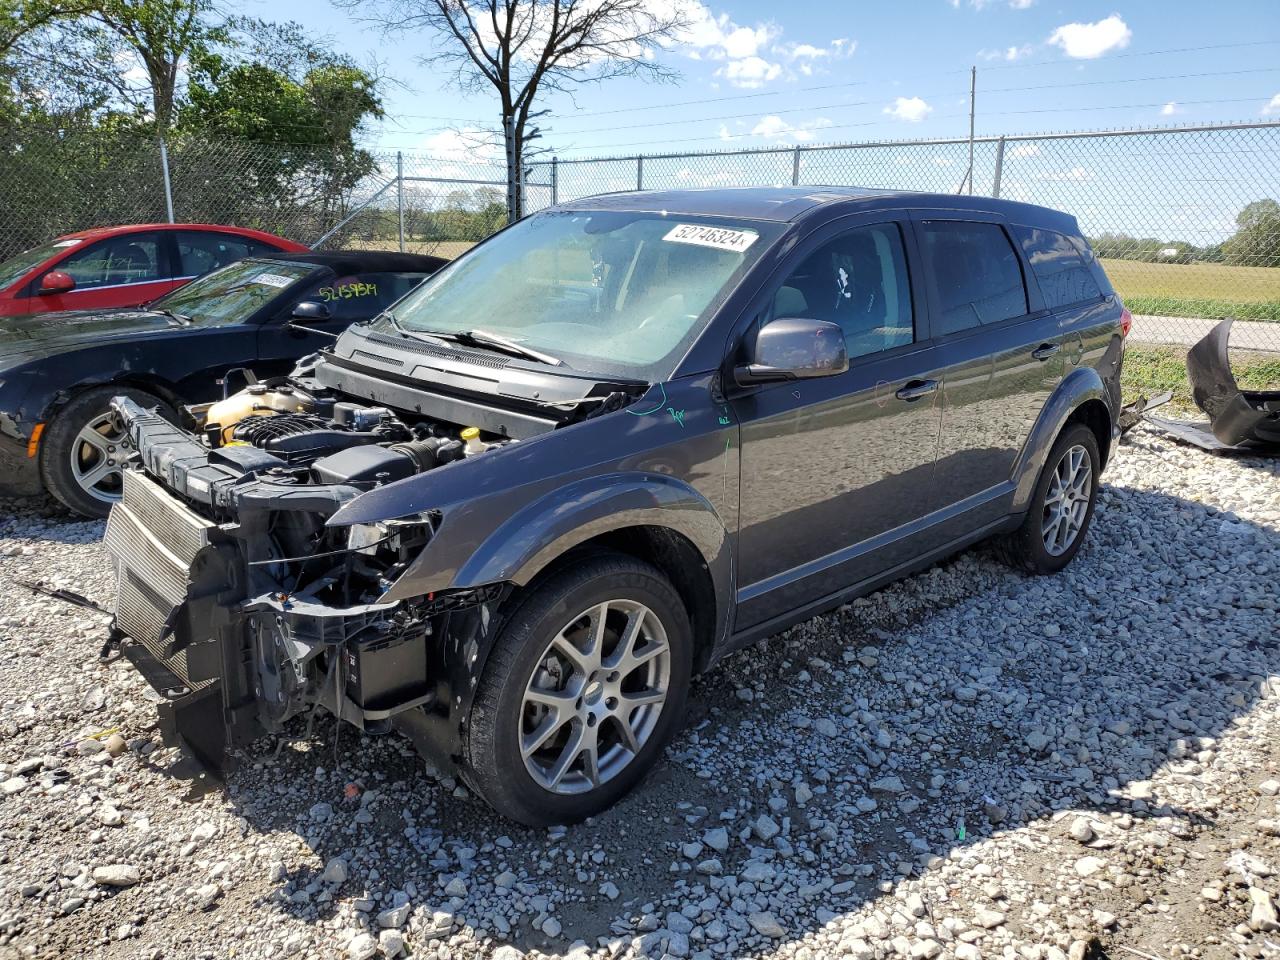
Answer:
(915, 389)
(1046, 350)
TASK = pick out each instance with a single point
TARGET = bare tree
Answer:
(527, 48)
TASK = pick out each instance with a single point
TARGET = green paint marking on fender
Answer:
(661, 403)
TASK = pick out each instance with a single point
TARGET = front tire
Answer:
(585, 686)
(1061, 505)
(83, 451)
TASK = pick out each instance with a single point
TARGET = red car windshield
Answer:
(16, 267)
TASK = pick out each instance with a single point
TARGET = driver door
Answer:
(836, 471)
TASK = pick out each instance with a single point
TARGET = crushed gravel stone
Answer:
(969, 764)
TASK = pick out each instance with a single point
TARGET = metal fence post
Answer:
(555, 182)
(795, 167)
(400, 196)
(168, 187)
(508, 132)
(995, 182)
(639, 173)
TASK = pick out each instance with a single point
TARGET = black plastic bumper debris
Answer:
(1239, 419)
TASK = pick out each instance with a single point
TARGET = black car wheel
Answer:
(83, 450)
(585, 685)
(1061, 505)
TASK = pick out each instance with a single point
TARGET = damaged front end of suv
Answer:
(243, 601)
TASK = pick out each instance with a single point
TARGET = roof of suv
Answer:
(785, 204)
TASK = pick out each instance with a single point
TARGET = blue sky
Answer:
(885, 70)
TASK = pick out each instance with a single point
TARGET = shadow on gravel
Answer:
(903, 728)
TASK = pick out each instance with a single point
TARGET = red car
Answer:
(124, 266)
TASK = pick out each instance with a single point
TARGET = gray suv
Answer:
(512, 516)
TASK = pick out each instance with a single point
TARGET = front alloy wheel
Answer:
(595, 697)
(584, 686)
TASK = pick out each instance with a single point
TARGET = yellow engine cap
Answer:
(471, 433)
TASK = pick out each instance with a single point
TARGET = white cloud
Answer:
(983, 4)
(1021, 4)
(774, 127)
(911, 109)
(1008, 53)
(1273, 106)
(468, 144)
(1170, 108)
(1025, 150)
(1087, 41)
(750, 72)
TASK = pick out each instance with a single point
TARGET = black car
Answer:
(513, 516)
(59, 370)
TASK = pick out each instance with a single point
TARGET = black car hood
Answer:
(46, 334)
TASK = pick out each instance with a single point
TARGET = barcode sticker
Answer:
(272, 280)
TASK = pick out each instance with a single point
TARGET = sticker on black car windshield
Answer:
(272, 280)
(720, 238)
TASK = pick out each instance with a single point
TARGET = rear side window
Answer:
(859, 281)
(977, 274)
(200, 252)
(1063, 272)
(359, 296)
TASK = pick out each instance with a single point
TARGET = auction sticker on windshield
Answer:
(272, 280)
(720, 238)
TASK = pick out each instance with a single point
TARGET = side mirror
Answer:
(311, 310)
(55, 281)
(793, 348)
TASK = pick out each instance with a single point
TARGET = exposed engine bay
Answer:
(244, 606)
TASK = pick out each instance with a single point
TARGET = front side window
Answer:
(359, 296)
(234, 293)
(1063, 273)
(859, 281)
(976, 270)
(133, 258)
(605, 291)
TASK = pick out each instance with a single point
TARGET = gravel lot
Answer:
(969, 764)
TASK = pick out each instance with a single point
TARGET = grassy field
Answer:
(1149, 370)
(1197, 289)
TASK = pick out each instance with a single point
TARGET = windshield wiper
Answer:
(182, 319)
(481, 338)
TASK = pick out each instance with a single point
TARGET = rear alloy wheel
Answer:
(84, 450)
(585, 685)
(1061, 505)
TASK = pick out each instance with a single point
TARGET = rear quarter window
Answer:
(1061, 265)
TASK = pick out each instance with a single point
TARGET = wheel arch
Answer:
(1081, 397)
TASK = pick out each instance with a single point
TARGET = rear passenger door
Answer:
(1002, 357)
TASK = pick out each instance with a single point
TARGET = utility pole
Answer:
(973, 90)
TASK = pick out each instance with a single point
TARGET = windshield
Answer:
(16, 267)
(607, 292)
(233, 293)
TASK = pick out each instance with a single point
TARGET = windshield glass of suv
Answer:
(233, 293)
(608, 292)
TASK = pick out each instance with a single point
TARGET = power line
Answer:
(949, 116)
(855, 83)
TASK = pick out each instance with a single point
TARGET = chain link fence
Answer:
(1186, 220)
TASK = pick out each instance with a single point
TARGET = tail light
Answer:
(1126, 321)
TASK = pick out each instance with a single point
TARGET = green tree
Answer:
(1257, 241)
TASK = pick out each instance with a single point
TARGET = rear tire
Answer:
(82, 454)
(585, 686)
(1061, 506)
